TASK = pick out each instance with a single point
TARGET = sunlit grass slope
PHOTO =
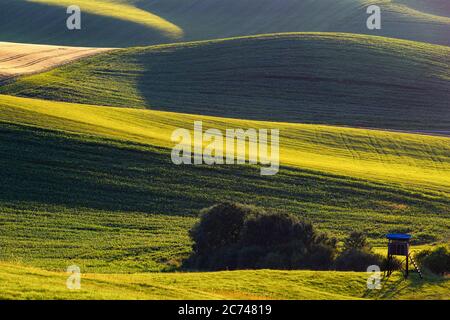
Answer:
(104, 23)
(114, 206)
(314, 78)
(122, 10)
(416, 161)
(111, 205)
(91, 184)
(437, 7)
(19, 282)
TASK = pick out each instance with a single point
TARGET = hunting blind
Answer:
(398, 245)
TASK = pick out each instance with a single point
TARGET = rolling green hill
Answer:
(104, 24)
(87, 178)
(265, 284)
(436, 7)
(413, 161)
(208, 19)
(121, 23)
(327, 78)
(96, 185)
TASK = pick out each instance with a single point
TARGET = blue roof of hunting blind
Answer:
(398, 236)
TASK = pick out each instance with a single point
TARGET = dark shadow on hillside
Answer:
(212, 19)
(28, 22)
(314, 79)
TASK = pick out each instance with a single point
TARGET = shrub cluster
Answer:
(436, 260)
(231, 236)
(357, 254)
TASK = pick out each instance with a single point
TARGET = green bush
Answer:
(357, 260)
(233, 236)
(220, 226)
(216, 235)
(436, 260)
(357, 254)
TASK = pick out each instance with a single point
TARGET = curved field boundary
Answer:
(415, 161)
(18, 59)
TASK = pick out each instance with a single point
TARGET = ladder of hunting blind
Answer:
(416, 266)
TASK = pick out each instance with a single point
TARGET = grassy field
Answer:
(416, 162)
(20, 282)
(87, 175)
(331, 78)
(121, 23)
(109, 184)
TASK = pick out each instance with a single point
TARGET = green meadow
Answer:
(22, 282)
(326, 78)
(86, 173)
(93, 185)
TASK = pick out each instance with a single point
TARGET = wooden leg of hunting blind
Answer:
(389, 265)
(388, 268)
(407, 270)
